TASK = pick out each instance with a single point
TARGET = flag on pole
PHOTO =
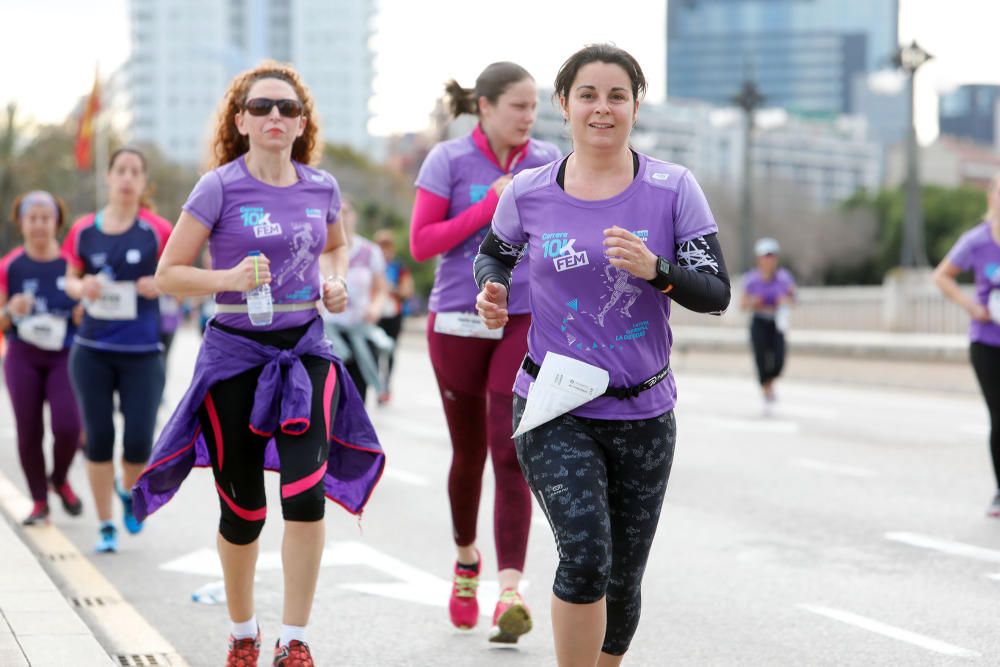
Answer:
(87, 125)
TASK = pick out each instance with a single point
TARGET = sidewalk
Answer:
(831, 343)
(39, 627)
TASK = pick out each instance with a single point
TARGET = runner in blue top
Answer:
(38, 315)
(276, 395)
(112, 256)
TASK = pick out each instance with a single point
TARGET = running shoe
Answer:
(243, 652)
(295, 654)
(994, 509)
(70, 501)
(511, 618)
(39, 514)
(463, 606)
(107, 542)
(132, 525)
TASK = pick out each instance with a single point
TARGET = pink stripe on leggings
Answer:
(213, 417)
(304, 484)
(248, 515)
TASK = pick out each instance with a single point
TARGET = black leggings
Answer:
(601, 485)
(768, 348)
(986, 363)
(237, 453)
(138, 379)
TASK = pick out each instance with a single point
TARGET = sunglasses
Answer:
(261, 106)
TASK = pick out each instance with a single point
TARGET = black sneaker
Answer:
(994, 509)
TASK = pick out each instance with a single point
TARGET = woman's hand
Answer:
(90, 287)
(491, 304)
(146, 287)
(627, 251)
(335, 295)
(979, 312)
(78, 312)
(20, 305)
(501, 183)
(251, 272)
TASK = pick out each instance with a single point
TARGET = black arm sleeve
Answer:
(496, 261)
(700, 281)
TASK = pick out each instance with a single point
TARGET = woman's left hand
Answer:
(334, 295)
(146, 286)
(627, 251)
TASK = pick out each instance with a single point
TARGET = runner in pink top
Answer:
(458, 188)
(612, 238)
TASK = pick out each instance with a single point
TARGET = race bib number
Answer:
(43, 330)
(466, 325)
(993, 305)
(118, 301)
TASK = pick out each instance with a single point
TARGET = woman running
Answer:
(600, 471)
(112, 257)
(768, 291)
(266, 392)
(458, 188)
(38, 316)
(978, 251)
(400, 290)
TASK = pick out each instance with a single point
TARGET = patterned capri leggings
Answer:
(601, 485)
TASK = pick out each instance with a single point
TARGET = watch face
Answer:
(663, 266)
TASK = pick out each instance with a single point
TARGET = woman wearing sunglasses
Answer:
(265, 395)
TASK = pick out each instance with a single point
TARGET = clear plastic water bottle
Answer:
(211, 593)
(260, 308)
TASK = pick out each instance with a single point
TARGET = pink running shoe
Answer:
(243, 652)
(511, 618)
(296, 654)
(463, 606)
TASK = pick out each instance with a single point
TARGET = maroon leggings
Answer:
(34, 377)
(476, 380)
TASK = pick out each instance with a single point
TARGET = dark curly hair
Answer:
(229, 144)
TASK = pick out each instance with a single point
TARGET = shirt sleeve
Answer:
(205, 201)
(161, 227)
(71, 245)
(507, 219)
(961, 253)
(435, 173)
(335, 202)
(377, 261)
(692, 215)
(5, 275)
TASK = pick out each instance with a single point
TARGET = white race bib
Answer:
(783, 318)
(563, 384)
(993, 305)
(467, 325)
(43, 330)
(118, 301)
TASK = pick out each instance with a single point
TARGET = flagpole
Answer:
(100, 144)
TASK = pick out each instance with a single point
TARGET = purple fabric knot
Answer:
(284, 381)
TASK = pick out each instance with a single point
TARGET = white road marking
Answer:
(752, 425)
(995, 576)
(977, 430)
(405, 477)
(893, 632)
(834, 468)
(804, 411)
(946, 546)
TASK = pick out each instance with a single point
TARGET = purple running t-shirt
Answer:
(459, 171)
(770, 291)
(976, 251)
(581, 305)
(287, 224)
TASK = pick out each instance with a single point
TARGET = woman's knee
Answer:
(306, 505)
(582, 579)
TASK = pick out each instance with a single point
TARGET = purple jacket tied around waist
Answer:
(283, 397)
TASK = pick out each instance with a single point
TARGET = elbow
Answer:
(417, 251)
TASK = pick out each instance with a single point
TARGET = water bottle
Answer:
(211, 593)
(260, 308)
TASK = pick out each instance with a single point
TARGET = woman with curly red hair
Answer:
(37, 315)
(265, 395)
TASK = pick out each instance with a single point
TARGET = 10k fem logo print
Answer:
(559, 247)
(256, 217)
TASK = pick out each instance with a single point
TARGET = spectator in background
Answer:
(978, 251)
(396, 306)
(355, 336)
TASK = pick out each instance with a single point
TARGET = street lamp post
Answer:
(748, 99)
(910, 58)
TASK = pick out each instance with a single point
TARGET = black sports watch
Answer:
(664, 274)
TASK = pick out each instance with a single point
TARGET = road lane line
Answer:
(834, 468)
(946, 546)
(405, 477)
(893, 632)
